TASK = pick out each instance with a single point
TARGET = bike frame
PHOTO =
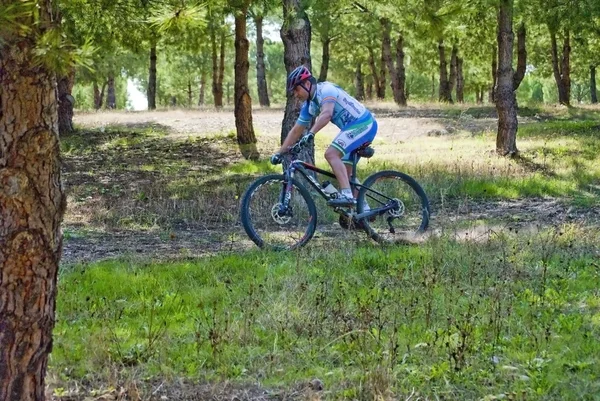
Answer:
(303, 168)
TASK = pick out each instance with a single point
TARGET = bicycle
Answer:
(278, 212)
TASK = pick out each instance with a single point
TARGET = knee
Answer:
(332, 154)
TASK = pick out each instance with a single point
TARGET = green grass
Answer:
(516, 315)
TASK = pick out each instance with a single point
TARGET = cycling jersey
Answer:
(356, 123)
(345, 111)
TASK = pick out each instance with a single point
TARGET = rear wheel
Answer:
(408, 217)
(267, 225)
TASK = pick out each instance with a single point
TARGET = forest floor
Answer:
(89, 238)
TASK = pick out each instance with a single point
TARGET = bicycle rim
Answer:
(266, 226)
(410, 216)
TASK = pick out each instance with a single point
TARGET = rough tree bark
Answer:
(394, 70)
(562, 68)
(243, 103)
(593, 95)
(506, 101)
(202, 88)
(261, 76)
(296, 35)
(66, 102)
(521, 56)
(152, 78)
(99, 95)
(382, 74)
(453, 69)
(32, 205)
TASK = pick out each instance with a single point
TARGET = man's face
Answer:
(299, 91)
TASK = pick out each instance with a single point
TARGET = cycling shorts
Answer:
(354, 135)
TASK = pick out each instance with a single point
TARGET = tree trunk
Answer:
(460, 81)
(189, 91)
(152, 78)
(402, 95)
(593, 95)
(111, 95)
(218, 66)
(325, 59)
(99, 95)
(562, 69)
(296, 35)
(444, 91)
(521, 56)
(382, 73)
(261, 76)
(369, 88)
(243, 103)
(201, 90)
(32, 205)
(506, 101)
(374, 71)
(359, 82)
(492, 92)
(453, 69)
(65, 103)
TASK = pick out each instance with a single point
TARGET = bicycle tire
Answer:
(412, 198)
(260, 233)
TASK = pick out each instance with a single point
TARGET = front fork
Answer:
(286, 192)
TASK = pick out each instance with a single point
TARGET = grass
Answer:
(513, 314)
(519, 314)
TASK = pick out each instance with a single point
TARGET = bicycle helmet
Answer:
(297, 76)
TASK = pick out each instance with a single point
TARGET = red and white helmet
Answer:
(297, 76)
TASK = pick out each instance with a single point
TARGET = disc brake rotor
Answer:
(397, 213)
(279, 219)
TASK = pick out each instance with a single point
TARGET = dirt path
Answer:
(86, 244)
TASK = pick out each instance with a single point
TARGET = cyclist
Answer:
(329, 102)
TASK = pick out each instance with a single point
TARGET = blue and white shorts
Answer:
(354, 135)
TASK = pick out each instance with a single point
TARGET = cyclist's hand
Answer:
(306, 139)
(276, 159)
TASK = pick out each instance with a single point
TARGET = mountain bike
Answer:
(278, 212)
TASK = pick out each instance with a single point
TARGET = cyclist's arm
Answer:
(292, 137)
(324, 117)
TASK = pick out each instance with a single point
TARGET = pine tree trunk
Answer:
(382, 74)
(593, 95)
(99, 95)
(32, 205)
(492, 92)
(386, 48)
(369, 88)
(218, 66)
(190, 94)
(111, 95)
(261, 76)
(325, 60)
(152, 78)
(506, 101)
(243, 103)
(453, 69)
(296, 35)
(65, 103)
(374, 71)
(201, 89)
(561, 68)
(359, 82)
(460, 81)
(402, 96)
(444, 91)
(521, 56)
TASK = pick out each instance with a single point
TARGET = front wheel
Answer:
(408, 214)
(267, 223)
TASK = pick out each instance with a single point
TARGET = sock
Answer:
(347, 192)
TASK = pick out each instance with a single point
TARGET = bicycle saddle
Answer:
(365, 151)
